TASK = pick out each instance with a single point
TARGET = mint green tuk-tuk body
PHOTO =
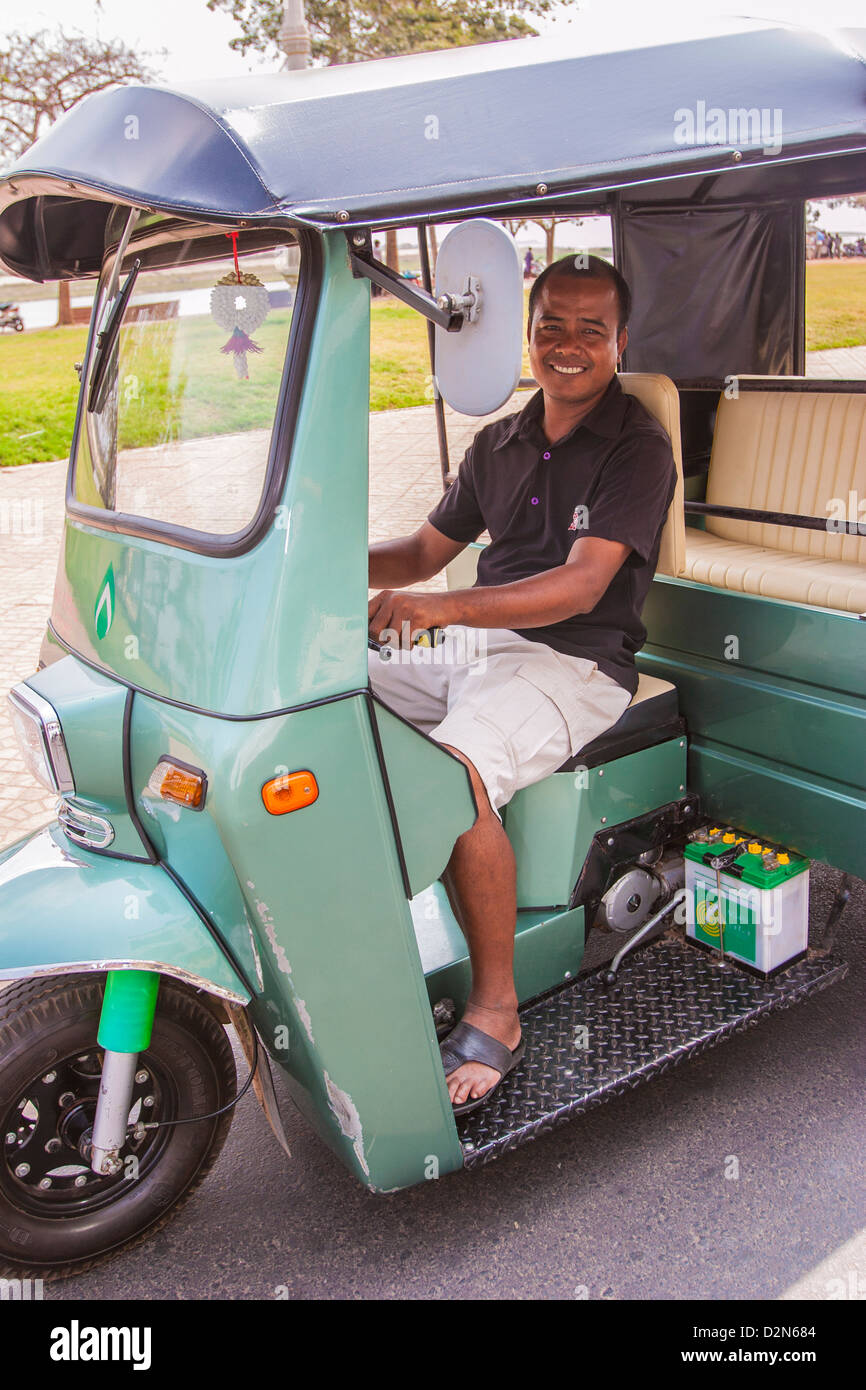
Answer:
(236, 655)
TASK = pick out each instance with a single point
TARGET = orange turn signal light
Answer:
(289, 792)
(173, 781)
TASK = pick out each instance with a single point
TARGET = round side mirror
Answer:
(478, 367)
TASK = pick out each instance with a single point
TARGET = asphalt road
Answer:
(630, 1201)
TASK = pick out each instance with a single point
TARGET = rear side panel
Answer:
(774, 696)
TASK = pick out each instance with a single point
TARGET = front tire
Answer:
(57, 1217)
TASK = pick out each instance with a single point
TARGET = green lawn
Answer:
(38, 384)
(835, 304)
(399, 362)
(189, 388)
(38, 389)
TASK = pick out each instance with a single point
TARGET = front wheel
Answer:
(58, 1217)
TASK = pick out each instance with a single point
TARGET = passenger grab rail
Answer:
(804, 523)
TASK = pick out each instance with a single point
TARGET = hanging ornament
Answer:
(239, 303)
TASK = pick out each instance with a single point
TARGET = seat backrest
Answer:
(660, 397)
(795, 451)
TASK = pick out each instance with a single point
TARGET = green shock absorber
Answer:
(128, 1008)
(125, 1026)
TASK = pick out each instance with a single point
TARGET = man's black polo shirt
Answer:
(612, 476)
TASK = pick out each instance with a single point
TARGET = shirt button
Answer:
(546, 456)
(535, 501)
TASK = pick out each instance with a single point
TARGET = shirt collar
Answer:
(605, 418)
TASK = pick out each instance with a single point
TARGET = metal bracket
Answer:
(840, 901)
(618, 845)
(365, 265)
(467, 304)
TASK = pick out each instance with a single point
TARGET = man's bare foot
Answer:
(473, 1080)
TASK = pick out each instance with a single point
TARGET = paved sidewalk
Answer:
(847, 364)
(405, 483)
(31, 522)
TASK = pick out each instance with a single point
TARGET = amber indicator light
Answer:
(289, 792)
(177, 782)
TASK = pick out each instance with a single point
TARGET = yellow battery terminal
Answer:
(716, 830)
(755, 848)
(729, 839)
(783, 858)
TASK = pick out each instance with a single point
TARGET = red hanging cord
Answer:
(233, 238)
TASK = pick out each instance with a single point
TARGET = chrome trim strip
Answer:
(26, 972)
(35, 706)
(84, 827)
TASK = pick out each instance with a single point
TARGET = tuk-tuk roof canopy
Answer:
(512, 128)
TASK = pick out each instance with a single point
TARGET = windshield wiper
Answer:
(107, 338)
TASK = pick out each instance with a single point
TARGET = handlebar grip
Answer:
(427, 637)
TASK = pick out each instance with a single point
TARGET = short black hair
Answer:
(585, 267)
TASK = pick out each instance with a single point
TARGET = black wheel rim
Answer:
(44, 1170)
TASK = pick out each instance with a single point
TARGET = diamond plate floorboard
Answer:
(592, 1041)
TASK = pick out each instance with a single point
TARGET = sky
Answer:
(197, 41)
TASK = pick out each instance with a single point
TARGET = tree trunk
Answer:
(64, 304)
(392, 256)
(434, 249)
(550, 235)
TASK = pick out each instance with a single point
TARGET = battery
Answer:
(746, 898)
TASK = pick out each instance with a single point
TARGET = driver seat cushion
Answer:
(652, 717)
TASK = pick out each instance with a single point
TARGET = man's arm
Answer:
(558, 593)
(411, 559)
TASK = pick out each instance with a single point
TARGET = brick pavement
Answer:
(404, 485)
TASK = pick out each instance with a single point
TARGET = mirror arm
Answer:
(364, 263)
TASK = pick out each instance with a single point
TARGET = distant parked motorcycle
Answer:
(10, 316)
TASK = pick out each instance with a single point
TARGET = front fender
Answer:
(64, 910)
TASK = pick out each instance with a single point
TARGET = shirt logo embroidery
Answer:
(580, 520)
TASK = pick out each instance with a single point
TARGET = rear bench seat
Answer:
(785, 450)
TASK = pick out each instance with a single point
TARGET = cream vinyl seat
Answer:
(796, 451)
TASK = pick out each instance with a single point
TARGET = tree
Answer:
(43, 75)
(350, 31)
(850, 200)
(547, 224)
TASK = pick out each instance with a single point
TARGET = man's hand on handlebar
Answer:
(397, 617)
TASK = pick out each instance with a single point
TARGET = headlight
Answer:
(40, 739)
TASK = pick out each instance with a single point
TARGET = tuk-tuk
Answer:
(246, 835)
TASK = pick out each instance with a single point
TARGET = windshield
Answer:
(187, 385)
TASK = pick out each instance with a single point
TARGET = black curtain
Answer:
(717, 290)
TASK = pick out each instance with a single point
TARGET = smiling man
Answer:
(574, 491)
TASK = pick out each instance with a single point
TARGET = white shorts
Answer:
(517, 709)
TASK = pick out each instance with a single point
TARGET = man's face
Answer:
(573, 339)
